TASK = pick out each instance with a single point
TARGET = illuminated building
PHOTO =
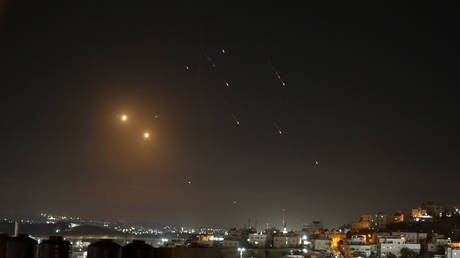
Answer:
(373, 238)
(286, 240)
(321, 244)
(394, 218)
(377, 221)
(230, 243)
(439, 244)
(258, 240)
(432, 209)
(389, 244)
(363, 223)
(456, 210)
(358, 240)
(335, 239)
(420, 214)
(411, 237)
(393, 245)
(205, 237)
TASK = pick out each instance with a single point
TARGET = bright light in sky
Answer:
(124, 117)
(146, 135)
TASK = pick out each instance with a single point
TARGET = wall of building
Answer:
(258, 240)
(414, 247)
(349, 250)
(356, 226)
(321, 244)
(230, 243)
(286, 241)
(453, 253)
(218, 253)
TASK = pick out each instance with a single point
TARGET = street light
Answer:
(241, 250)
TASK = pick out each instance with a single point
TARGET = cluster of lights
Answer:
(58, 217)
(23, 221)
(124, 118)
(125, 228)
(241, 251)
(187, 231)
(133, 229)
(213, 238)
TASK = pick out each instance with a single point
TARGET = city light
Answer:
(241, 251)
(234, 158)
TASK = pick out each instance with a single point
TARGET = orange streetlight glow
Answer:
(146, 135)
(124, 117)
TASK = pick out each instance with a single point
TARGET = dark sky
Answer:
(371, 94)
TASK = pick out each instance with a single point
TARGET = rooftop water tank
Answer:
(138, 249)
(21, 246)
(54, 247)
(3, 239)
(104, 248)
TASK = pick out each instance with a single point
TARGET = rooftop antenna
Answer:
(284, 222)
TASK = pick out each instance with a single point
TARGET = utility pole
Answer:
(284, 222)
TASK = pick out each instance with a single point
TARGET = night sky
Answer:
(371, 94)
